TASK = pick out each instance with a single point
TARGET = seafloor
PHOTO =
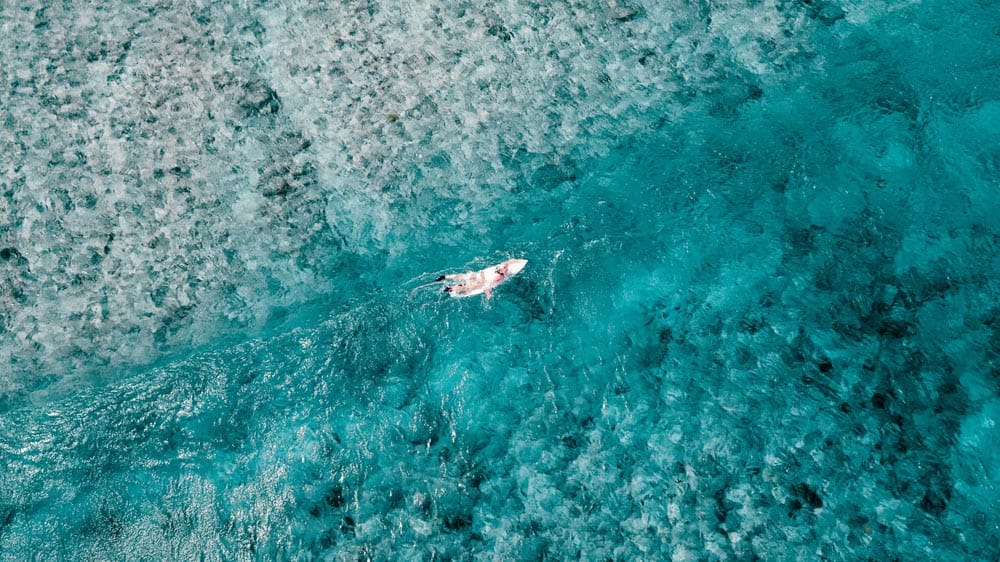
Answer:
(760, 319)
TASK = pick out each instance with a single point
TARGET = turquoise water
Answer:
(759, 319)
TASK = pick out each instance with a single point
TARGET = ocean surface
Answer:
(759, 321)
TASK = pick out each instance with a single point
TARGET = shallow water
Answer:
(759, 319)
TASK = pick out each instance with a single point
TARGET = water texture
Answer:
(759, 320)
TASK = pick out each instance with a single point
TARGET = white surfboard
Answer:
(472, 283)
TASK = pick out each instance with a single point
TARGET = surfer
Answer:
(479, 282)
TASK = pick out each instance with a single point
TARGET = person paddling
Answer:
(479, 282)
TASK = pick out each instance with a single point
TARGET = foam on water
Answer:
(175, 172)
(759, 318)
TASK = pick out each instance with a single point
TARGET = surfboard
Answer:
(482, 281)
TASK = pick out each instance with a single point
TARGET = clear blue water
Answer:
(759, 320)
